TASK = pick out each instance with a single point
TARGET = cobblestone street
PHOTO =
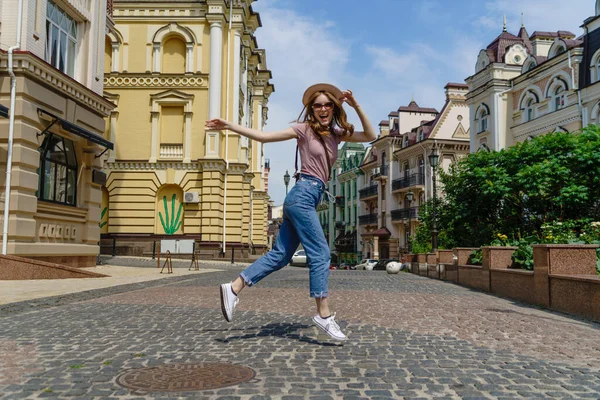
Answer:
(409, 337)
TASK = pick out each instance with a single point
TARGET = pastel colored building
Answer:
(169, 67)
(52, 122)
(397, 164)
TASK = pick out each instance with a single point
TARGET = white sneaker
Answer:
(330, 327)
(228, 301)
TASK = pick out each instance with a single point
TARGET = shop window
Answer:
(58, 171)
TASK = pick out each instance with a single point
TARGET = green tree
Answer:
(515, 191)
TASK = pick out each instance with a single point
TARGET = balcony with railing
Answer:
(369, 192)
(382, 172)
(408, 182)
(340, 225)
(369, 219)
(405, 213)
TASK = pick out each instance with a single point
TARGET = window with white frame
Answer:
(481, 118)
(529, 109)
(528, 106)
(61, 39)
(559, 98)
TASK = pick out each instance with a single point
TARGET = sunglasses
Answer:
(327, 106)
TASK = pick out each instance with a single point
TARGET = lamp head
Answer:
(433, 158)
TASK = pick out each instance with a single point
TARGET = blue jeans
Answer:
(300, 225)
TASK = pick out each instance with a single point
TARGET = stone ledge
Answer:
(20, 268)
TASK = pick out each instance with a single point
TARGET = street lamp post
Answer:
(433, 161)
(409, 198)
(286, 180)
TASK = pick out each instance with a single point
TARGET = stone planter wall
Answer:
(564, 276)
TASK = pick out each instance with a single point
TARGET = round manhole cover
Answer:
(185, 377)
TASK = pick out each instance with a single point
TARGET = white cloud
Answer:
(300, 51)
(540, 15)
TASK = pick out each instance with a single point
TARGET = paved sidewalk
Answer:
(119, 271)
(410, 337)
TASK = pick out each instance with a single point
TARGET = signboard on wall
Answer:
(177, 246)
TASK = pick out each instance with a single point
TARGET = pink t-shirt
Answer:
(312, 152)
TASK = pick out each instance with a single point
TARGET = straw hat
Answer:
(321, 87)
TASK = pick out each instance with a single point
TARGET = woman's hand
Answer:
(348, 97)
(217, 123)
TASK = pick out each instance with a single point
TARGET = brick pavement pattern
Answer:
(409, 337)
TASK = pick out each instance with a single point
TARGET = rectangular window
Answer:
(61, 39)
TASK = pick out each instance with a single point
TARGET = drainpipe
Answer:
(227, 131)
(11, 125)
(581, 109)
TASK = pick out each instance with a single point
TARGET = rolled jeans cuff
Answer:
(246, 280)
(319, 295)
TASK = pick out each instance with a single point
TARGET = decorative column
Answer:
(187, 138)
(214, 90)
(189, 60)
(237, 44)
(154, 144)
(156, 52)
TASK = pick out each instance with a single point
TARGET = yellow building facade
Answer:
(168, 68)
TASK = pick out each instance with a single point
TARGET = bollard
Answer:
(153, 249)
(232, 254)
(114, 249)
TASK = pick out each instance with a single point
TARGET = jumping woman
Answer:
(323, 127)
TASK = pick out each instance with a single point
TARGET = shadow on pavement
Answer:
(283, 330)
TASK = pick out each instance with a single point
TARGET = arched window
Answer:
(597, 69)
(481, 118)
(58, 171)
(559, 99)
(528, 103)
(529, 109)
(169, 218)
(173, 61)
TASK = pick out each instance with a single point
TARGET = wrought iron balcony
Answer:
(403, 213)
(382, 171)
(368, 192)
(369, 219)
(407, 182)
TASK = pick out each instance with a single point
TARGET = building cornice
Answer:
(201, 165)
(546, 123)
(27, 63)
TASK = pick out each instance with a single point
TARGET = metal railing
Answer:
(403, 213)
(368, 192)
(409, 181)
(368, 219)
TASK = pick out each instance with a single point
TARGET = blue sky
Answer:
(385, 51)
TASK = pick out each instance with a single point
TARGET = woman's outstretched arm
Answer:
(254, 134)
(368, 133)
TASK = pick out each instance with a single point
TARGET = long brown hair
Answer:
(339, 116)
